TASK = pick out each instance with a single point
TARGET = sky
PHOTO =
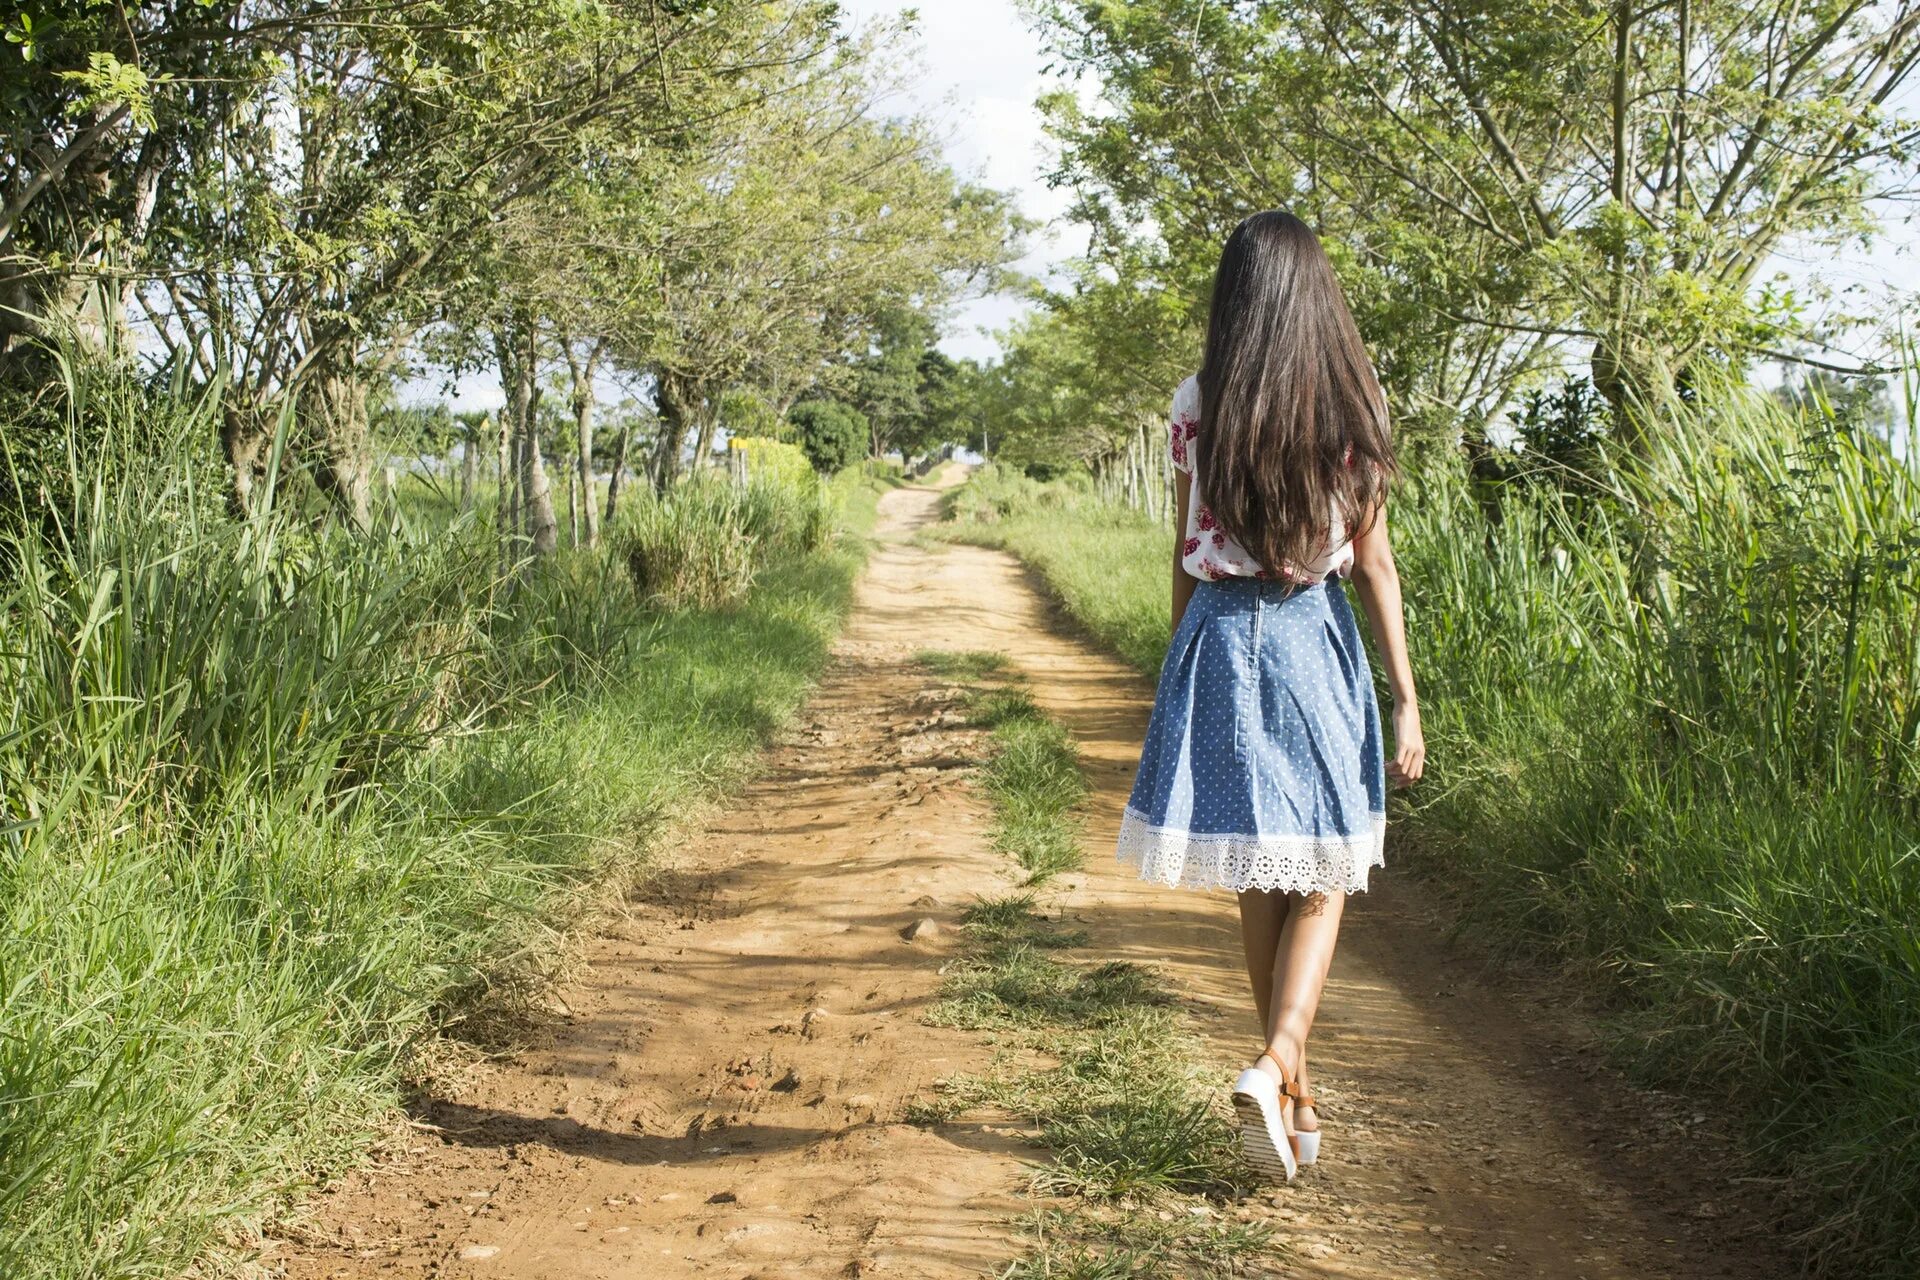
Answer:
(981, 75)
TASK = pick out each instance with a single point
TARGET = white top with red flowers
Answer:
(1209, 551)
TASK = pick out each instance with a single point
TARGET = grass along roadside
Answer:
(280, 809)
(1674, 744)
(1144, 1159)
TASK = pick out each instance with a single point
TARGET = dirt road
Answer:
(726, 1097)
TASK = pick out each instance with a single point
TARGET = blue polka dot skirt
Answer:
(1263, 766)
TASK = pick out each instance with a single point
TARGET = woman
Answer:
(1263, 770)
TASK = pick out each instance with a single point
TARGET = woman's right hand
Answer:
(1409, 747)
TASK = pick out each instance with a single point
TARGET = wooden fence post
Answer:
(573, 507)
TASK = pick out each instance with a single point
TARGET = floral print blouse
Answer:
(1208, 551)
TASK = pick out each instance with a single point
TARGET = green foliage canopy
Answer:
(1498, 183)
(833, 435)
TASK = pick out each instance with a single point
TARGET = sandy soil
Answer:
(726, 1096)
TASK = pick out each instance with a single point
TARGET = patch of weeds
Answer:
(1013, 918)
(1161, 1140)
(1121, 1245)
(1010, 978)
(925, 1113)
(1034, 779)
(1125, 1110)
(999, 707)
(1035, 783)
(962, 664)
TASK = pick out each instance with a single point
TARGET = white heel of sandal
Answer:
(1309, 1143)
(1263, 1139)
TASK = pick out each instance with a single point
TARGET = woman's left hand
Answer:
(1409, 748)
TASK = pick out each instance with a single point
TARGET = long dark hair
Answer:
(1293, 425)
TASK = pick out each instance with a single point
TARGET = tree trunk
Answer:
(1624, 387)
(520, 474)
(1613, 366)
(248, 446)
(543, 524)
(1150, 478)
(146, 194)
(513, 459)
(619, 470)
(334, 411)
(583, 423)
(503, 501)
(703, 441)
(573, 504)
(1133, 475)
(75, 300)
(518, 355)
(470, 467)
(675, 402)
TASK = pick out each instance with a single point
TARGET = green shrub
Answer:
(995, 493)
(687, 549)
(699, 545)
(772, 461)
(834, 435)
(794, 515)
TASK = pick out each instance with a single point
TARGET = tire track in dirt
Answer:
(726, 1097)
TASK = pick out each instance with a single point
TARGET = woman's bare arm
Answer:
(1378, 583)
(1183, 582)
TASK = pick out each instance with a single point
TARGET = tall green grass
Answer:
(700, 544)
(280, 804)
(1679, 732)
(1674, 734)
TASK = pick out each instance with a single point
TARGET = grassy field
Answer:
(283, 810)
(1673, 719)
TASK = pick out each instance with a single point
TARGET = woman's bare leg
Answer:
(1261, 917)
(1289, 941)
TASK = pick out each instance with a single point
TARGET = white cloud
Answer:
(983, 70)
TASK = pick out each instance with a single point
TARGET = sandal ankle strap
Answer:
(1290, 1085)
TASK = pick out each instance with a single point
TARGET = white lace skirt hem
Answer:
(1291, 864)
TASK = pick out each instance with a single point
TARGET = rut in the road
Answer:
(727, 1097)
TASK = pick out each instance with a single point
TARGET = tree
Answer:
(886, 384)
(704, 200)
(833, 435)
(1191, 132)
(796, 228)
(631, 419)
(946, 405)
(97, 103)
(582, 365)
(516, 341)
(352, 177)
(1528, 177)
